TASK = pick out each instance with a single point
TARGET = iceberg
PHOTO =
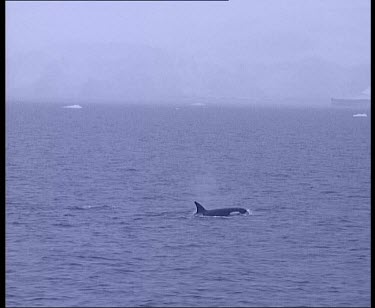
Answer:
(73, 106)
(363, 99)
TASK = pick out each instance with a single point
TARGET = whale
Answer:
(218, 212)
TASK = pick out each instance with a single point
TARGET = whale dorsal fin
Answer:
(200, 208)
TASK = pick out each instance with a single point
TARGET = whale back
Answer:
(200, 208)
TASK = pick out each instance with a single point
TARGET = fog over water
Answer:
(173, 52)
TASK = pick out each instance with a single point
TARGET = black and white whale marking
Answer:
(219, 212)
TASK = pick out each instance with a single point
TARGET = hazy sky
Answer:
(240, 48)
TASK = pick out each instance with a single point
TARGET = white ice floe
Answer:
(73, 106)
(357, 115)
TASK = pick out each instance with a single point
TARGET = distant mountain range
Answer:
(129, 73)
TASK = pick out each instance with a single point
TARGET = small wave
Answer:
(249, 212)
(64, 225)
(360, 115)
(88, 207)
(224, 217)
(159, 214)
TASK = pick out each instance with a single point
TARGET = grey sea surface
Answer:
(100, 206)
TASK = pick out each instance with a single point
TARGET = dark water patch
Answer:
(328, 192)
(63, 225)
(19, 223)
(358, 197)
(69, 215)
(130, 169)
(154, 198)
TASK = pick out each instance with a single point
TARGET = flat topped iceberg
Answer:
(73, 106)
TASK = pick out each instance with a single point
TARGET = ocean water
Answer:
(100, 206)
